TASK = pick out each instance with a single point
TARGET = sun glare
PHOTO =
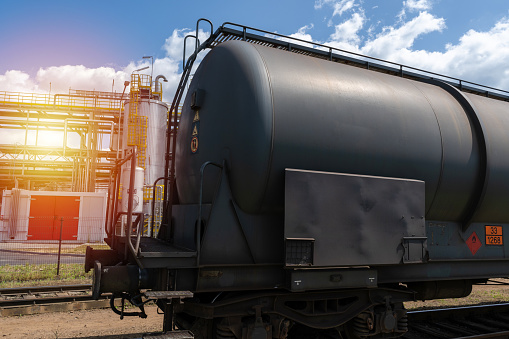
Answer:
(56, 139)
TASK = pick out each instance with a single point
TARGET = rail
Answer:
(483, 321)
(34, 295)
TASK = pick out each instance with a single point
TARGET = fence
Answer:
(45, 247)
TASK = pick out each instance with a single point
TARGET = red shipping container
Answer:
(46, 213)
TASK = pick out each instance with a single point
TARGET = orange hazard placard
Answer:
(494, 235)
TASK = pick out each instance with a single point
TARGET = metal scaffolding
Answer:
(91, 117)
(141, 87)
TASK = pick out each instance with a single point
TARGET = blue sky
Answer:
(88, 44)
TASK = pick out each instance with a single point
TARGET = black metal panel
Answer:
(232, 236)
(238, 278)
(264, 235)
(355, 220)
(224, 241)
(310, 279)
(446, 270)
(184, 223)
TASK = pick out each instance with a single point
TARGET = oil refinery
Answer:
(71, 180)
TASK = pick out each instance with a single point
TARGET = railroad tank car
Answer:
(318, 194)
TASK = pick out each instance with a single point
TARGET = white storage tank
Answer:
(156, 113)
(137, 191)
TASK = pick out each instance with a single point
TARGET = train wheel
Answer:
(360, 326)
(377, 323)
(222, 329)
(303, 332)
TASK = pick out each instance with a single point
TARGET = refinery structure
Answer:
(74, 180)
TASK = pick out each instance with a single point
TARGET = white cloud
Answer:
(417, 5)
(17, 81)
(391, 39)
(80, 77)
(320, 3)
(300, 34)
(339, 6)
(413, 6)
(346, 33)
(343, 6)
(480, 56)
(477, 56)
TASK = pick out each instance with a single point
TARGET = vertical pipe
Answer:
(65, 135)
(25, 147)
(60, 245)
(108, 203)
(130, 202)
(126, 83)
(154, 202)
(37, 132)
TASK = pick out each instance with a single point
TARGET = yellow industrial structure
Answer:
(141, 86)
(92, 115)
(95, 118)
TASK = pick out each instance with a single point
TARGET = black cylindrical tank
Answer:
(262, 110)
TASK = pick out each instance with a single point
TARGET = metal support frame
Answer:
(198, 230)
(89, 112)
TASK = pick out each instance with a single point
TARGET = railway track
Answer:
(485, 321)
(41, 299)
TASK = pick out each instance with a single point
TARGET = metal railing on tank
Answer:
(232, 31)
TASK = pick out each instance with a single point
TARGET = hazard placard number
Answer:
(494, 235)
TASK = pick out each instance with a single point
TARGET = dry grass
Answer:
(40, 275)
(481, 294)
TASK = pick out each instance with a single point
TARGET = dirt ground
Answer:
(105, 324)
(89, 324)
